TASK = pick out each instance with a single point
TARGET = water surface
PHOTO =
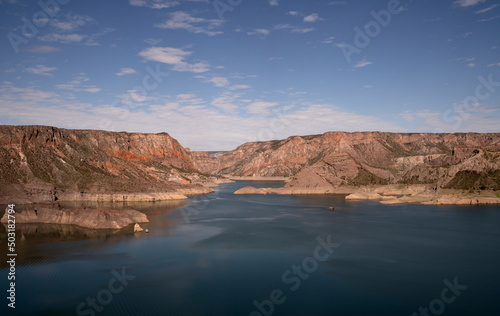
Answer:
(219, 254)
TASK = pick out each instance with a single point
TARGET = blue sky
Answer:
(217, 73)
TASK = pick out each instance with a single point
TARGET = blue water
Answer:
(224, 254)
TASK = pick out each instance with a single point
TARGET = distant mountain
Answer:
(333, 159)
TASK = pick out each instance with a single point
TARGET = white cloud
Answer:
(312, 18)
(273, 2)
(489, 19)
(479, 120)
(471, 65)
(175, 57)
(43, 49)
(185, 117)
(91, 40)
(62, 38)
(263, 32)
(226, 102)
(76, 85)
(154, 4)
(303, 30)
(362, 63)
(293, 13)
(126, 71)
(71, 23)
(328, 40)
(219, 81)
(239, 87)
(494, 64)
(41, 70)
(468, 3)
(261, 107)
(184, 21)
(491, 7)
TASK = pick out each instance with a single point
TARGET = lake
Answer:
(225, 254)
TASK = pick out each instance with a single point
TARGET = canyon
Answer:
(41, 163)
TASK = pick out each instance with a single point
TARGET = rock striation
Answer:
(42, 163)
(100, 218)
(324, 163)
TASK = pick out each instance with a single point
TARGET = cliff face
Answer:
(339, 158)
(46, 161)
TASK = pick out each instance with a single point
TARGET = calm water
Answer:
(223, 254)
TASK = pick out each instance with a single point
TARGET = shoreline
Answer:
(38, 194)
(388, 194)
(258, 178)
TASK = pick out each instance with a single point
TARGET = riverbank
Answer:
(390, 194)
(42, 193)
(94, 218)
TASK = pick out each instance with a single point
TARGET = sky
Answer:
(218, 73)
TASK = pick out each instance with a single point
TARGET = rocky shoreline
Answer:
(29, 194)
(94, 218)
(389, 194)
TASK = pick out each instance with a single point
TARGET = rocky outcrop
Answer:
(321, 163)
(100, 218)
(138, 228)
(41, 163)
(206, 161)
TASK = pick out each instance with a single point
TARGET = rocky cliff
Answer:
(39, 163)
(333, 159)
(95, 218)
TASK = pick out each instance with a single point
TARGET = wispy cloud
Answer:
(260, 107)
(43, 49)
(489, 19)
(303, 30)
(274, 2)
(491, 7)
(71, 23)
(263, 32)
(154, 4)
(312, 18)
(76, 85)
(126, 71)
(219, 81)
(175, 57)
(41, 70)
(62, 38)
(328, 40)
(468, 3)
(184, 21)
(362, 63)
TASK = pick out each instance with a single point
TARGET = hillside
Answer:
(333, 159)
(47, 163)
